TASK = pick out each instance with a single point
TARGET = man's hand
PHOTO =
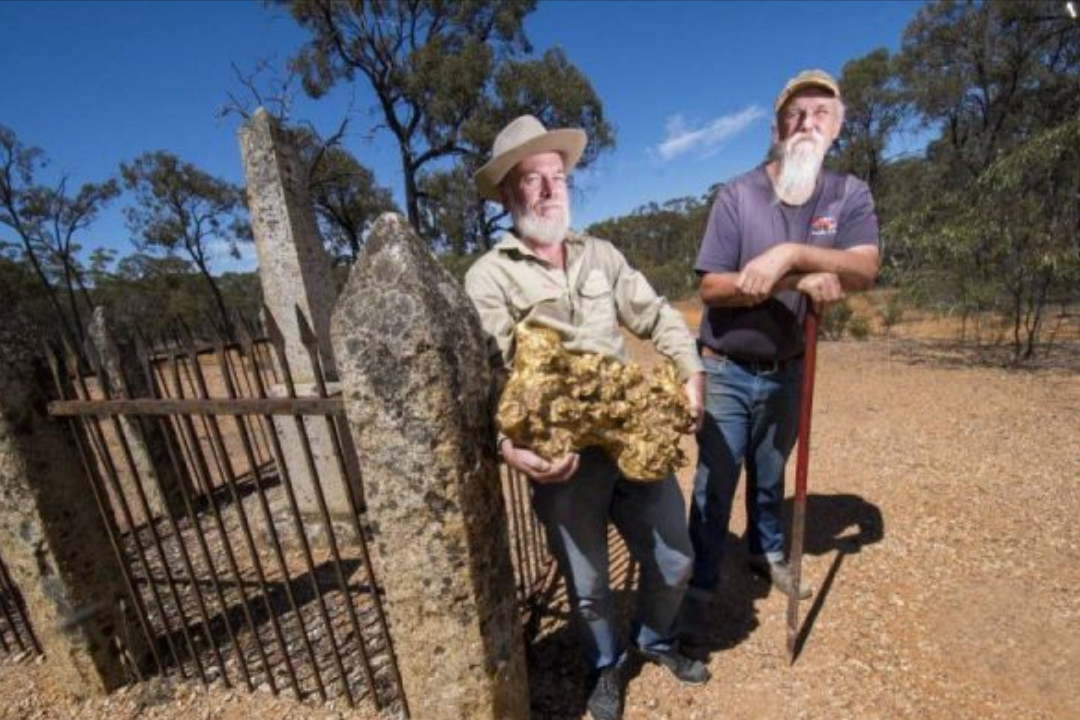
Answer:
(695, 394)
(758, 279)
(526, 461)
(822, 288)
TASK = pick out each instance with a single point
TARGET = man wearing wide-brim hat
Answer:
(542, 269)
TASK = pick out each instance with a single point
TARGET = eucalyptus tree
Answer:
(344, 192)
(179, 208)
(989, 75)
(874, 109)
(446, 76)
(48, 222)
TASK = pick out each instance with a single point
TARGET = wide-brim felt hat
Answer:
(523, 137)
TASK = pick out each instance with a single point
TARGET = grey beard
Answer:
(799, 168)
(545, 231)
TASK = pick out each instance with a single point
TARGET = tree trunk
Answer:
(412, 201)
(73, 299)
(223, 310)
(51, 292)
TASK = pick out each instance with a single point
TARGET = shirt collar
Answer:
(512, 243)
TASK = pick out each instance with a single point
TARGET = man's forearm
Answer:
(720, 290)
(856, 267)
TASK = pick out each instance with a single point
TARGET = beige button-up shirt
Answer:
(586, 303)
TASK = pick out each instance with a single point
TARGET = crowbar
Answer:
(802, 466)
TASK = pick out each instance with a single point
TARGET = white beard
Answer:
(800, 162)
(542, 230)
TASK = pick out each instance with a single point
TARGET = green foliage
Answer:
(551, 89)
(893, 312)
(859, 328)
(346, 196)
(835, 320)
(875, 108)
(1005, 244)
(19, 287)
(661, 241)
(990, 74)
(984, 225)
(48, 222)
(456, 219)
(178, 208)
(151, 293)
(447, 77)
(458, 264)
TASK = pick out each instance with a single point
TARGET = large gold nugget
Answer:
(558, 401)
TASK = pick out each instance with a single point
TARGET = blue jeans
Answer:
(752, 418)
(651, 517)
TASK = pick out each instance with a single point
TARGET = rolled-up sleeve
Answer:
(647, 314)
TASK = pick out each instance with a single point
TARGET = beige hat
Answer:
(523, 137)
(806, 79)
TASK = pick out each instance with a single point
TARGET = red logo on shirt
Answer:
(823, 226)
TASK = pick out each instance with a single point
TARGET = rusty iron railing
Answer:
(17, 639)
(534, 567)
(232, 586)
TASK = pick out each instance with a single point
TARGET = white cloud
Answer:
(682, 139)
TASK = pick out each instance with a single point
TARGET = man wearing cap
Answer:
(782, 235)
(543, 270)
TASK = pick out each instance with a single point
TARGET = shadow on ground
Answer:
(836, 524)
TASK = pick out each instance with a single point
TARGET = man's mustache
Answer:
(811, 135)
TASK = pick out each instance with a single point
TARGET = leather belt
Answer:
(754, 366)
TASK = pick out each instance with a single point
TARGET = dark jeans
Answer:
(651, 517)
(751, 418)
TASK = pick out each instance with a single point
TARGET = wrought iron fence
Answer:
(534, 567)
(231, 580)
(17, 639)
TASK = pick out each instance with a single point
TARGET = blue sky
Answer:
(687, 85)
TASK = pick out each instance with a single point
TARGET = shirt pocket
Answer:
(526, 300)
(597, 303)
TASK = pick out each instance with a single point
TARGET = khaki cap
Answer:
(806, 79)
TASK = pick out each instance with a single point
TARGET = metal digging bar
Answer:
(802, 465)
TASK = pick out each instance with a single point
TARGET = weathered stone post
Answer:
(52, 536)
(416, 381)
(294, 271)
(161, 480)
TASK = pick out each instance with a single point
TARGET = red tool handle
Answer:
(806, 404)
(802, 467)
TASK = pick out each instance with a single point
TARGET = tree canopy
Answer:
(447, 76)
(178, 208)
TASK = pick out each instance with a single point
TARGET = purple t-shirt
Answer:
(746, 220)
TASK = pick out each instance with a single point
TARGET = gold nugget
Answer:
(558, 401)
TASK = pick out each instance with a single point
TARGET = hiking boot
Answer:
(606, 698)
(686, 670)
(779, 573)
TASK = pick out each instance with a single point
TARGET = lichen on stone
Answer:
(557, 401)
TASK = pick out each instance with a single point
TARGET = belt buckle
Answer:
(767, 366)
